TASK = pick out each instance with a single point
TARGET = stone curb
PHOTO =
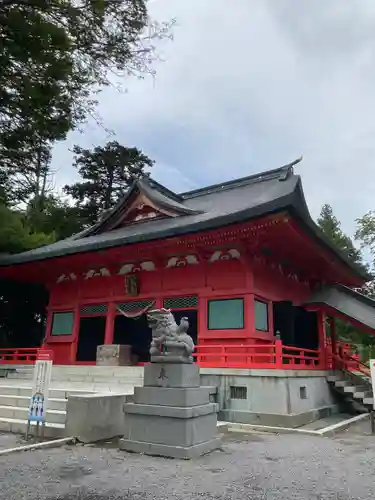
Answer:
(325, 432)
(37, 446)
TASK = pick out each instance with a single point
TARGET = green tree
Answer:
(331, 227)
(54, 55)
(16, 236)
(52, 215)
(366, 231)
(106, 173)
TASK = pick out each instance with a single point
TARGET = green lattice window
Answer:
(225, 314)
(181, 302)
(134, 306)
(261, 315)
(62, 323)
(94, 309)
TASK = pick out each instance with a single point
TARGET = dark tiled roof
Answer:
(347, 302)
(202, 209)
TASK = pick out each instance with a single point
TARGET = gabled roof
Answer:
(203, 209)
(163, 201)
(347, 302)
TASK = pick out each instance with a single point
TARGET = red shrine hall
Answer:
(242, 260)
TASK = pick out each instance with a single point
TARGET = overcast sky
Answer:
(249, 85)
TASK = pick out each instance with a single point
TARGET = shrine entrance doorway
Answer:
(192, 316)
(91, 334)
(136, 333)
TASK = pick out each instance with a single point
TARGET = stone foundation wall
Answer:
(270, 397)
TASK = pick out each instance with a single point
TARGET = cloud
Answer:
(249, 85)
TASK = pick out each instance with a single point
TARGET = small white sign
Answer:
(372, 368)
(39, 395)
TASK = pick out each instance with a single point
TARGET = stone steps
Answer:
(23, 401)
(16, 388)
(358, 393)
(19, 426)
(87, 375)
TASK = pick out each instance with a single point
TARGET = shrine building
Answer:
(242, 260)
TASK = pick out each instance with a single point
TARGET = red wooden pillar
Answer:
(322, 340)
(332, 327)
(110, 323)
(47, 333)
(278, 354)
(249, 315)
(202, 317)
(75, 334)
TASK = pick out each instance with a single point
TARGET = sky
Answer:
(250, 85)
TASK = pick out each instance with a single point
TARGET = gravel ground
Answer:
(249, 467)
(8, 440)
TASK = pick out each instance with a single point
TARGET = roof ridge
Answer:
(282, 173)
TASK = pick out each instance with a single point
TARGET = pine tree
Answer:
(106, 174)
(331, 227)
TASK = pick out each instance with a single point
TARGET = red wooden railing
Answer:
(271, 356)
(22, 356)
(349, 363)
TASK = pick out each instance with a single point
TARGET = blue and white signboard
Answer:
(39, 395)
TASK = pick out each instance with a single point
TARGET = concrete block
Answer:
(94, 417)
(171, 375)
(168, 396)
(114, 355)
(162, 450)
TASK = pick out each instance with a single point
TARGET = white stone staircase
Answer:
(16, 388)
(354, 387)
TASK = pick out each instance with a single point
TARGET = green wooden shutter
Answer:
(225, 314)
(261, 315)
(62, 323)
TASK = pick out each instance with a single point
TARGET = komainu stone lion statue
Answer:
(170, 342)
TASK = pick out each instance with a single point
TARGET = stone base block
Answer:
(162, 450)
(171, 375)
(171, 430)
(114, 355)
(170, 396)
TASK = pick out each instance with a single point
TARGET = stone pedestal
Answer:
(171, 415)
(114, 355)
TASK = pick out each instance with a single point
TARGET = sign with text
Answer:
(372, 368)
(39, 395)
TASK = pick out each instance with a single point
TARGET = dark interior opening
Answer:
(91, 334)
(283, 321)
(192, 316)
(306, 328)
(296, 326)
(136, 333)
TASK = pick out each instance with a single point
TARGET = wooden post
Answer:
(110, 323)
(332, 327)
(322, 340)
(278, 353)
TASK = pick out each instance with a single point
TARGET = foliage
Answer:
(16, 235)
(106, 173)
(366, 231)
(54, 54)
(51, 214)
(331, 227)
